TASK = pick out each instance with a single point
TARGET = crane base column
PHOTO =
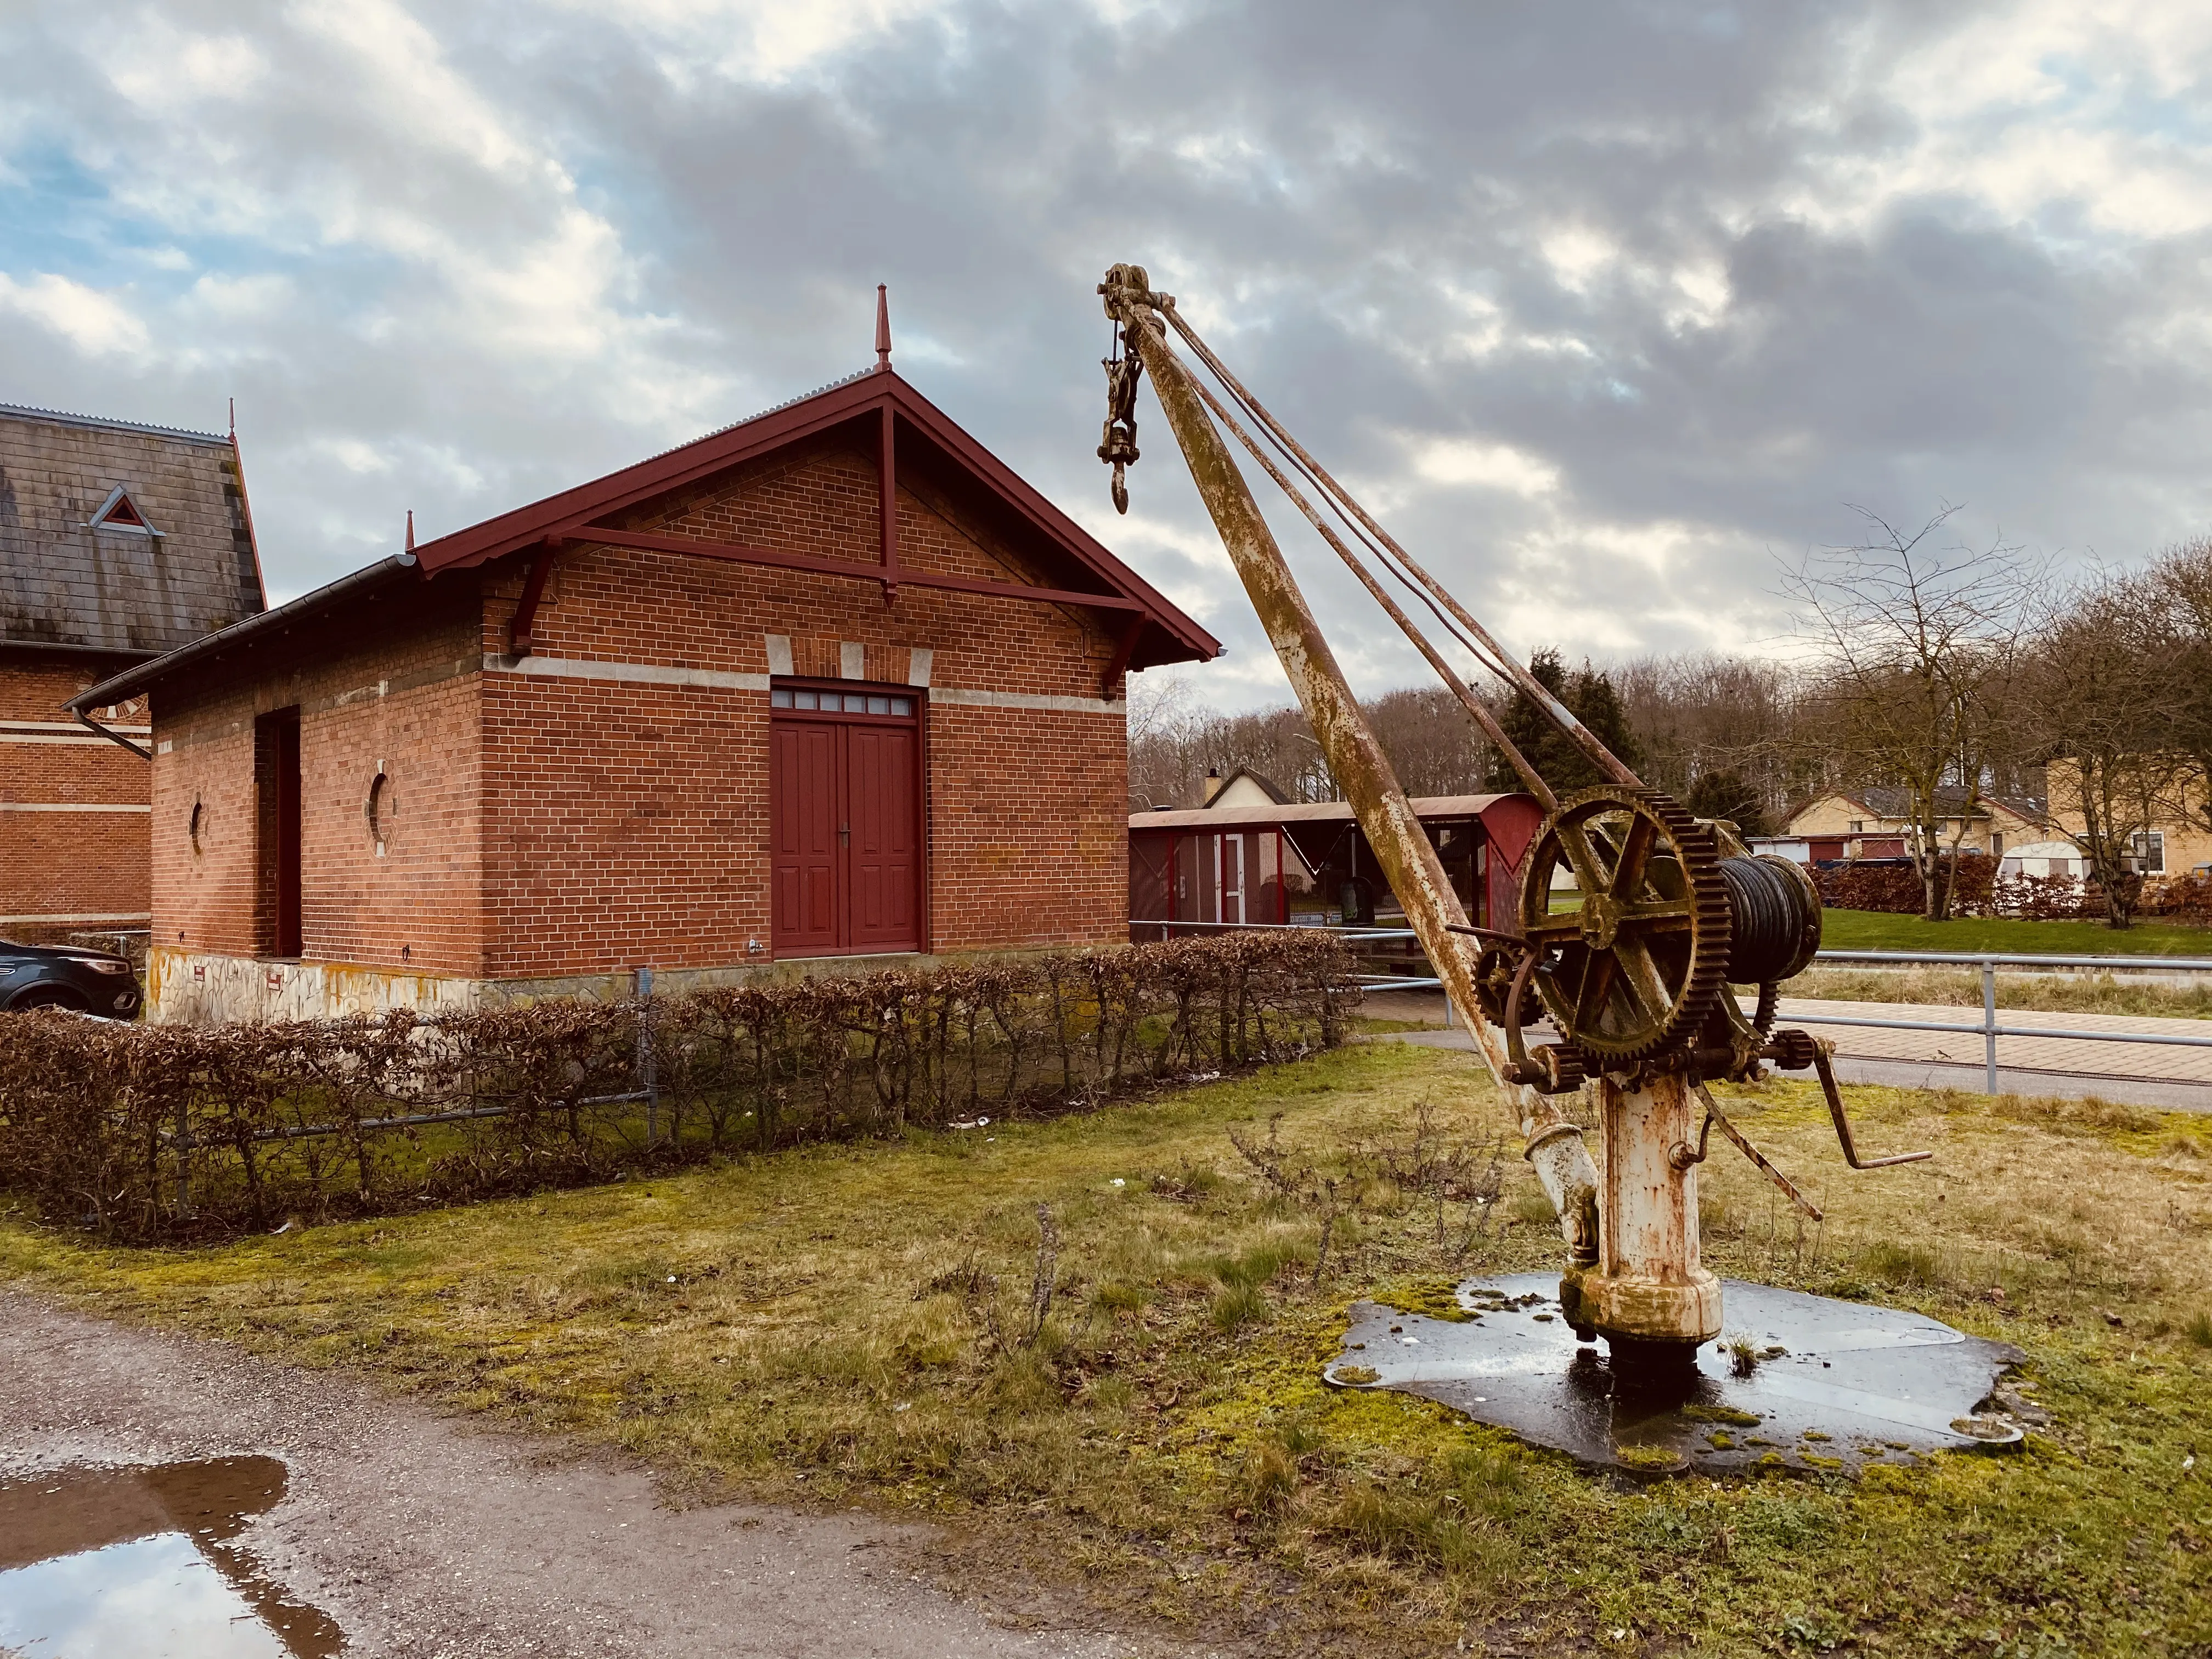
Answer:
(1647, 1292)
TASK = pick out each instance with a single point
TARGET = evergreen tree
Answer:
(1528, 729)
(1729, 794)
(1590, 695)
(1597, 705)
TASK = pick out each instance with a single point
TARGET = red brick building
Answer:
(117, 543)
(830, 683)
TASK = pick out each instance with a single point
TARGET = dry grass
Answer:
(2087, 993)
(860, 1324)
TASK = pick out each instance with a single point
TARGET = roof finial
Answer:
(233, 417)
(883, 330)
(410, 529)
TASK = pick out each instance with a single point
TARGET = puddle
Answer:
(1836, 1385)
(143, 1563)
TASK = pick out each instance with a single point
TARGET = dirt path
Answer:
(423, 1535)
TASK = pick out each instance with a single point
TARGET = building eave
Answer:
(144, 675)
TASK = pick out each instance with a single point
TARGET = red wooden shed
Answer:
(1265, 863)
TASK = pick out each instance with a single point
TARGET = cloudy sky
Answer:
(1604, 307)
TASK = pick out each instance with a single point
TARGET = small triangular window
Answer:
(120, 512)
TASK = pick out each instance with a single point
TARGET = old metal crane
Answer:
(1633, 958)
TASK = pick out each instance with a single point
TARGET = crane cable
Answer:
(1426, 588)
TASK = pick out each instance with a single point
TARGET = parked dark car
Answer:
(67, 976)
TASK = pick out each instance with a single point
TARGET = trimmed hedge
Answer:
(146, 1132)
(1895, 890)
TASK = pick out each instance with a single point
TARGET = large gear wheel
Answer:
(1635, 953)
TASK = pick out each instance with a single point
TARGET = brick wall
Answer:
(555, 820)
(404, 695)
(625, 824)
(1029, 828)
(83, 861)
(629, 823)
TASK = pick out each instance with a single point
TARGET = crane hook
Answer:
(1119, 445)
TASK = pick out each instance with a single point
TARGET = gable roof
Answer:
(76, 572)
(1165, 634)
(1263, 785)
(1081, 562)
(1892, 805)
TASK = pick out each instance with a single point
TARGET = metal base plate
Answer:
(1837, 1384)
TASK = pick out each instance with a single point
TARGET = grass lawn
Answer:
(1874, 930)
(847, 1324)
(2087, 992)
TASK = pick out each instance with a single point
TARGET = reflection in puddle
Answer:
(139, 1563)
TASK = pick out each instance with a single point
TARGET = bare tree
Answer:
(1714, 726)
(1176, 739)
(2096, 698)
(2180, 584)
(1435, 748)
(1915, 641)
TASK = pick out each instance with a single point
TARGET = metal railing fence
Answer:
(1987, 1027)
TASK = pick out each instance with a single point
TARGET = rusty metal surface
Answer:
(1820, 1053)
(1834, 1385)
(1650, 1282)
(1409, 861)
(1632, 971)
(1633, 978)
(1714, 1115)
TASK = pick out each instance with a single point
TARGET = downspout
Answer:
(92, 725)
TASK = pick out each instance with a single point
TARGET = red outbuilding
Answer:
(830, 683)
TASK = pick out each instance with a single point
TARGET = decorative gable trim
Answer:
(886, 412)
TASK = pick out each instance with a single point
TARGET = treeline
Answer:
(1716, 731)
(1940, 672)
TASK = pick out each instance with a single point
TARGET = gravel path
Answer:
(425, 1536)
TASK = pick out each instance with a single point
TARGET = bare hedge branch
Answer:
(147, 1132)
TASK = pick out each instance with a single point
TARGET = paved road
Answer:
(2145, 1074)
(425, 1536)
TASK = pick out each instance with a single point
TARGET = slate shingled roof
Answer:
(1894, 805)
(63, 581)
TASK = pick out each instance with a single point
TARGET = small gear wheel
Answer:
(1792, 1051)
(1494, 969)
(1635, 939)
(1562, 1068)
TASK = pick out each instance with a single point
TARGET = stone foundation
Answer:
(200, 987)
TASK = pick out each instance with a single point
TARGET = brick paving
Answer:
(2066, 1056)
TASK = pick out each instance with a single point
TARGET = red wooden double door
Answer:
(845, 810)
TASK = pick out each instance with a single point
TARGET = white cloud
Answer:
(762, 41)
(354, 456)
(2044, 104)
(96, 324)
(162, 68)
(1681, 293)
(240, 298)
(1469, 462)
(1577, 253)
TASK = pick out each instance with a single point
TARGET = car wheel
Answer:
(48, 996)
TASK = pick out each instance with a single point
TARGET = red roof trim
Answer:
(569, 513)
